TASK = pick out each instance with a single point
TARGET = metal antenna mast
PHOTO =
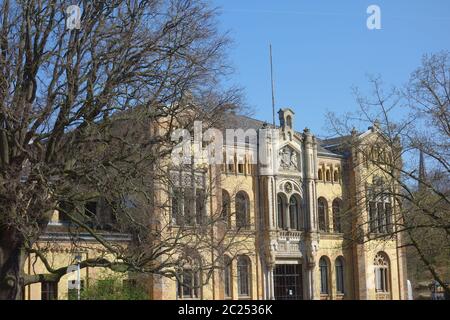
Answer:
(272, 81)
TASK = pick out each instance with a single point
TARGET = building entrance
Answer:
(287, 280)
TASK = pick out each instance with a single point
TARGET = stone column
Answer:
(271, 283)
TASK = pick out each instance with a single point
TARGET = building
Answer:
(298, 213)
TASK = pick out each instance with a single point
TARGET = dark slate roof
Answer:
(331, 142)
(234, 121)
(336, 145)
(323, 150)
(326, 147)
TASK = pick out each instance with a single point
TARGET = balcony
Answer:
(289, 235)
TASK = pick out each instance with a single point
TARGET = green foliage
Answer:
(115, 288)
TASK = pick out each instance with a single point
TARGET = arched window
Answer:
(339, 265)
(289, 121)
(336, 176)
(242, 210)
(328, 175)
(226, 212)
(324, 276)
(281, 205)
(381, 264)
(320, 175)
(294, 213)
(244, 276)
(323, 211)
(227, 276)
(337, 215)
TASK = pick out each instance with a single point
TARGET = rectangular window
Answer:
(188, 286)
(240, 168)
(189, 206)
(388, 213)
(373, 216)
(340, 279)
(324, 280)
(381, 220)
(177, 202)
(381, 280)
(227, 280)
(49, 291)
(90, 208)
(200, 206)
(243, 281)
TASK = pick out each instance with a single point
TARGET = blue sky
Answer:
(322, 48)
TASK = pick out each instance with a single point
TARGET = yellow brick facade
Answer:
(294, 243)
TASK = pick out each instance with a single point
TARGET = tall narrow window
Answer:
(49, 290)
(200, 206)
(280, 205)
(320, 175)
(388, 213)
(293, 213)
(177, 202)
(289, 121)
(243, 273)
(323, 211)
(373, 216)
(381, 219)
(226, 212)
(227, 277)
(381, 264)
(339, 275)
(189, 206)
(337, 215)
(323, 265)
(188, 284)
(242, 210)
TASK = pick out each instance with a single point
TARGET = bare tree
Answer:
(86, 116)
(412, 123)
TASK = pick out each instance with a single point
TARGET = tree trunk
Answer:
(12, 260)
